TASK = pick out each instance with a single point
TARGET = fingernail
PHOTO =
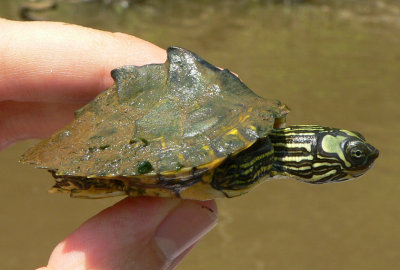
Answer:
(185, 225)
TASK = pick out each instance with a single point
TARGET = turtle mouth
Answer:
(371, 162)
(372, 157)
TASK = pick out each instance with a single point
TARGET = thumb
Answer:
(136, 233)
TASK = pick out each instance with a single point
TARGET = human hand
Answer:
(47, 71)
(136, 233)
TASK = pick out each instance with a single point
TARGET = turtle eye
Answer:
(356, 153)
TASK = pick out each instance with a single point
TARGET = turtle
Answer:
(188, 129)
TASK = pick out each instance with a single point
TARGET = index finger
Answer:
(63, 63)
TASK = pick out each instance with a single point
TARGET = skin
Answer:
(47, 71)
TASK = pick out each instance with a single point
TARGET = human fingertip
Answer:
(178, 259)
(184, 226)
(210, 205)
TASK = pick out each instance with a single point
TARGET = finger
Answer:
(63, 63)
(177, 260)
(25, 120)
(140, 233)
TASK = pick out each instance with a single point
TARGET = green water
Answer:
(334, 64)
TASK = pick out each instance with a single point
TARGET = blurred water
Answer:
(335, 64)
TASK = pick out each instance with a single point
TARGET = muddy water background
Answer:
(333, 64)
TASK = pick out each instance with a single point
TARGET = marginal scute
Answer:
(131, 81)
(235, 85)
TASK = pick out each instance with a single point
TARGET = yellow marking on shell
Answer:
(235, 132)
(250, 109)
(331, 144)
(181, 157)
(209, 150)
(244, 118)
(161, 139)
(252, 127)
(185, 171)
(307, 146)
(213, 164)
(206, 147)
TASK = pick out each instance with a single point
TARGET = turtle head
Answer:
(318, 154)
(353, 154)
